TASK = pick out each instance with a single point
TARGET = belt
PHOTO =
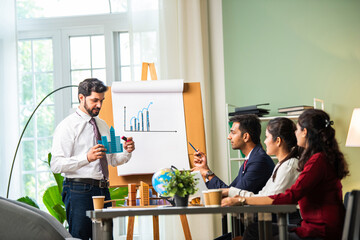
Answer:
(97, 183)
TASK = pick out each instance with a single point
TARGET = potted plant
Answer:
(180, 186)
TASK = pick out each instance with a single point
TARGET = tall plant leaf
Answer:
(54, 204)
(118, 193)
(28, 201)
(58, 178)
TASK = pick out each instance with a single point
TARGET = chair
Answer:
(351, 230)
(21, 221)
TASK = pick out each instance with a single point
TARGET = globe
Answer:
(159, 180)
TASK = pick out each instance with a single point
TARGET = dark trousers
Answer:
(78, 199)
(252, 233)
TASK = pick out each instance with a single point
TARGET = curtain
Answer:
(191, 48)
(8, 85)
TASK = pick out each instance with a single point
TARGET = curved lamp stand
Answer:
(27, 123)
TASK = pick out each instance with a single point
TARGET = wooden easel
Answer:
(194, 123)
(184, 221)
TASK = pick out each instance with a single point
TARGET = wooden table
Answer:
(105, 216)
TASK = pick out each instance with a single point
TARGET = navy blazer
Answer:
(257, 171)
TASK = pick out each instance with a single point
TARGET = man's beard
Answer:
(92, 112)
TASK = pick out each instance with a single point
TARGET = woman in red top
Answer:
(318, 189)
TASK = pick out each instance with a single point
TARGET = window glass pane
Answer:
(80, 52)
(28, 155)
(44, 85)
(98, 51)
(43, 58)
(144, 5)
(149, 46)
(29, 185)
(24, 56)
(56, 8)
(100, 74)
(125, 74)
(79, 76)
(76, 78)
(137, 48)
(25, 113)
(124, 49)
(44, 147)
(137, 73)
(26, 89)
(45, 121)
(118, 5)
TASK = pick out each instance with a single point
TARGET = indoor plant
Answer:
(180, 186)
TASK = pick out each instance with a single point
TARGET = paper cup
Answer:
(98, 202)
(206, 198)
(214, 196)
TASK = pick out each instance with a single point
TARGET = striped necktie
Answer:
(103, 161)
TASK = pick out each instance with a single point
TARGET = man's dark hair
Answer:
(249, 123)
(91, 85)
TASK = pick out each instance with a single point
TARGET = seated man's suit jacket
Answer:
(257, 171)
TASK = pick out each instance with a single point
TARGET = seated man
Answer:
(257, 167)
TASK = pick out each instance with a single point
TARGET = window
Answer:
(35, 82)
(63, 8)
(87, 60)
(60, 45)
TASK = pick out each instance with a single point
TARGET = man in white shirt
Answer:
(83, 162)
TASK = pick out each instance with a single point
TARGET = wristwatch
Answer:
(242, 201)
(209, 173)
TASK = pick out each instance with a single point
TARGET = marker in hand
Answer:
(124, 138)
(199, 154)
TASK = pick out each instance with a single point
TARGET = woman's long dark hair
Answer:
(321, 138)
(284, 128)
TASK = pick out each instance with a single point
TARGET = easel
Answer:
(194, 123)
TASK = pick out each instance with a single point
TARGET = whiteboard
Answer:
(152, 112)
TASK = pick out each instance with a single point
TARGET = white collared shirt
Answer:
(285, 177)
(72, 140)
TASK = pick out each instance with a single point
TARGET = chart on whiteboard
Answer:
(141, 121)
(152, 112)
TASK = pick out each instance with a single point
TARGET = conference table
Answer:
(102, 219)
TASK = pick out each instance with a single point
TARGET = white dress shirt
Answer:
(72, 140)
(285, 177)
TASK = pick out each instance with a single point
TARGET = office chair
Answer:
(351, 230)
(21, 221)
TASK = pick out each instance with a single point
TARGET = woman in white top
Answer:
(281, 142)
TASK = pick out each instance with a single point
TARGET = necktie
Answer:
(103, 161)
(245, 165)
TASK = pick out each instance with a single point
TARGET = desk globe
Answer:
(159, 180)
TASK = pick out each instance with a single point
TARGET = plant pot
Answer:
(181, 201)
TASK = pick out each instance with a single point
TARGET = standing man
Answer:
(83, 162)
(257, 167)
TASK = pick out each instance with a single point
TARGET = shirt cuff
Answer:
(83, 161)
(233, 192)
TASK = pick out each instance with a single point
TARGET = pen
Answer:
(194, 149)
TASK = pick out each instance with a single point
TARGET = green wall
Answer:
(288, 52)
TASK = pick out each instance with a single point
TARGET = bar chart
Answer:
(141, 122)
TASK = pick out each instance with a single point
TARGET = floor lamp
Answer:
(353, 137)
(22, 133)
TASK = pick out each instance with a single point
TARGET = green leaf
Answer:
(29, 201)
(118, 193)
(181, 183)
(54, 204)
(58, 178)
